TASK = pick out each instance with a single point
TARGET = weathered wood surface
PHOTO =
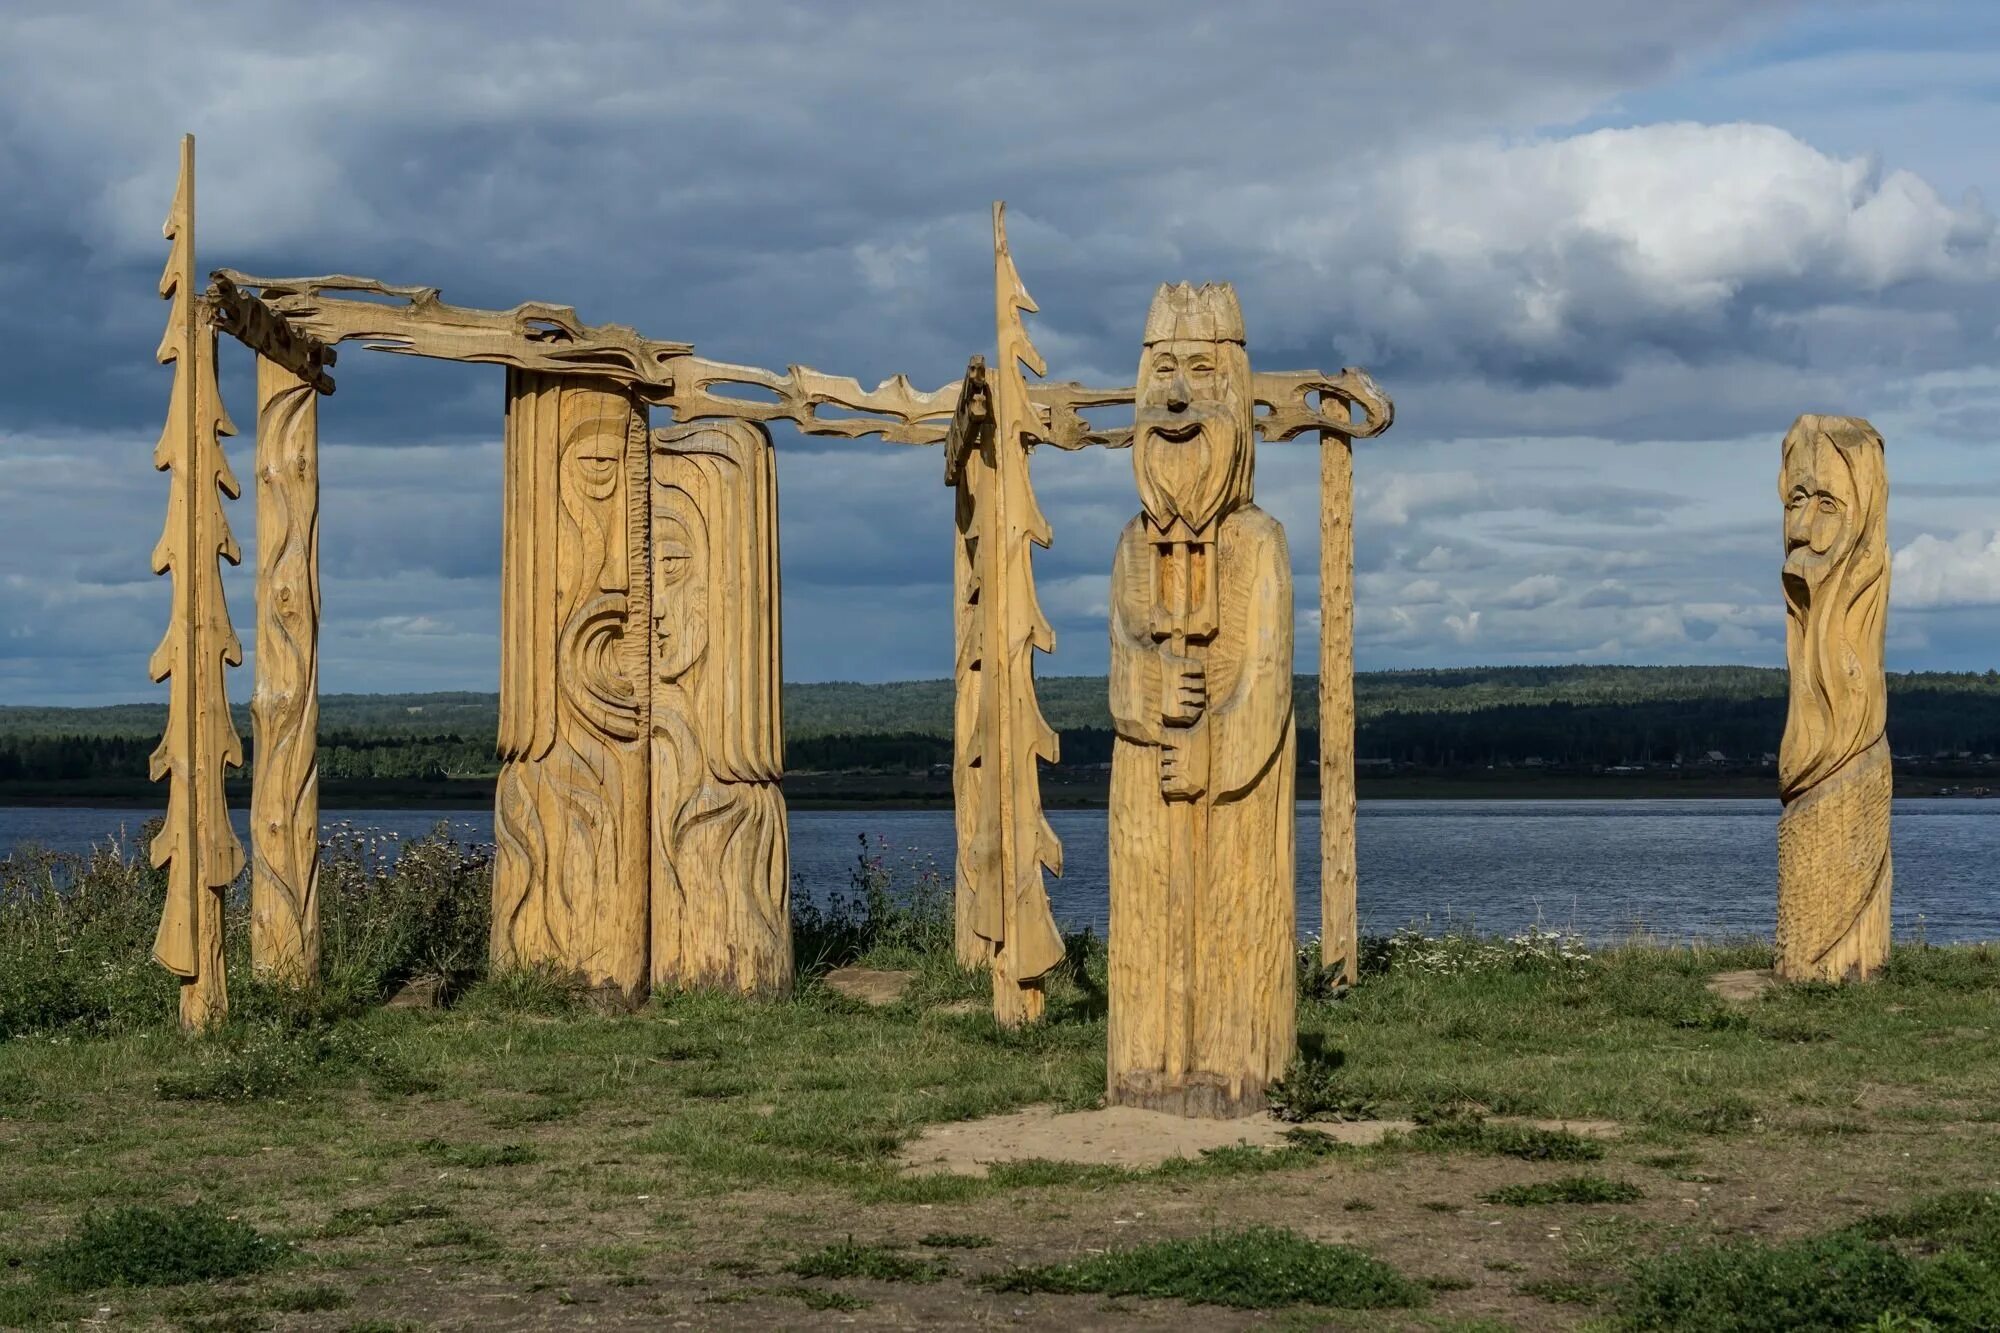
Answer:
(267, 333)
(571, 813)
(284, 707)
(196, 845)
(721, 869)
(1834, 872)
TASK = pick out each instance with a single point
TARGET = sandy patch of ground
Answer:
(870, 985)
(1130, 1137)
(1742, 987)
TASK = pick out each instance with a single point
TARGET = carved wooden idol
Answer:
(1833, 766)
(570, 815)
(1202, 912)
(721, 891)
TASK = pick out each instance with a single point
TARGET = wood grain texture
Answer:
(1202, 979)
(1004, 839)
(1834, 873)
(196, 845)
(721, 870)
(571, 810)
(284, 707)
(966, 472)
(1339, 880)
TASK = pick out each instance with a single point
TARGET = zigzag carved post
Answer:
(1002, 902)
(196, 847)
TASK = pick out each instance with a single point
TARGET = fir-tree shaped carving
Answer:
(197, 847)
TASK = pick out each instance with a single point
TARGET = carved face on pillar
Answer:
(680, 582)
(1836, 580)
(1193, 436)
(602, 666)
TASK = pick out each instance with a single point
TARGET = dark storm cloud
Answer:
(808, 183)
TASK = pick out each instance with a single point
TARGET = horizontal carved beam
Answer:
(1285, 394)
(542, 337)
(532, 336)
(897, 411)
(267, 333)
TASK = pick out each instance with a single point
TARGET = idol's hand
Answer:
(1184, 682)
(1183, 767)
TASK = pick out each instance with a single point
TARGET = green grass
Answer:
(1932, 1266)
(1527, 1142)
(1566, 1189)
(139, 1246)
(1262, 1268)
(507, 1137)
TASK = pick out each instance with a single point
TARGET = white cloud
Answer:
(1933, 573)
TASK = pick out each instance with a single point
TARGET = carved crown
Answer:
(1208, 313)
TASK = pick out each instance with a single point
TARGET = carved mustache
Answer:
(1178, 426)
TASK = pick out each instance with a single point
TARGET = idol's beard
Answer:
(1187, 464)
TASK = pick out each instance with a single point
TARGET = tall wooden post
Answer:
(572, 859)
(196, 845)
(284, 708)
(1339, 928)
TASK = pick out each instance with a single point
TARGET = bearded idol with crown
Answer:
(1202, 907)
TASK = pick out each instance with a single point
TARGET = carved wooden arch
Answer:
(294, 324)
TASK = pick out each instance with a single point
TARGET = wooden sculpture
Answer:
(1202, 914)
(570, 879)
(1002, 904)
(599, 742)
(721, 876)
(1833, 765)
(196, 845)
(284, 707)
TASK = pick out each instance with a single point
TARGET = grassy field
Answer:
(1810, 1158)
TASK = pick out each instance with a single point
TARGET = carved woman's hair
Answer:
(1835, 623)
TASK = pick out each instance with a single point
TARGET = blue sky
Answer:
(1600, 252)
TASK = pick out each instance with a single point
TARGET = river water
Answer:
(1604, 869)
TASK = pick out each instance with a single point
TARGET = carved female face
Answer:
(592, 484)
(1820, 519)
(680, 582)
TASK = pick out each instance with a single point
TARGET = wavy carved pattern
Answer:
(284, 708)
(196, 845)
(721, 880)
(1834, 872)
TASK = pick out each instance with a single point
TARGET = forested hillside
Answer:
(1459, 718)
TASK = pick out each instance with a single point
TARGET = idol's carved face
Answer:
(1819, 511)
(680, 582)
(1189, 422)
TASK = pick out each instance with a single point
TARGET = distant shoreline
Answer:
(862, 791)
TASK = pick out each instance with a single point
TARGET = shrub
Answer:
(1312, 1088)
(140, 1246)
(880, 920)
(1457, 953)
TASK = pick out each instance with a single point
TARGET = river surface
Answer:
(1603, 869)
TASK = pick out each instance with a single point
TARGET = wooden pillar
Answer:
(196, 845)
(570, 813)
(1339, 930)
(284, 708)
(721, 867)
